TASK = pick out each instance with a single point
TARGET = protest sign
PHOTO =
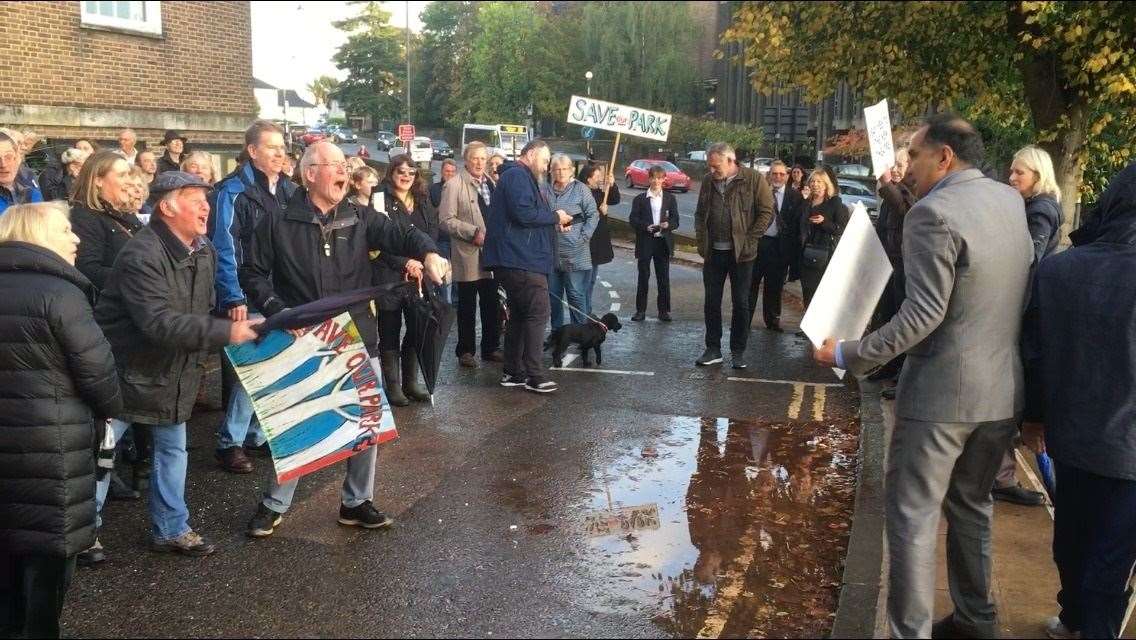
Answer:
(878, 123)
(318, 396)
(852, 284)
(633, 121)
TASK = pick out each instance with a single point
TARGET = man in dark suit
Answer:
(778, 249)
(654, 216)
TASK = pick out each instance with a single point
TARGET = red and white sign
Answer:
(406, 132)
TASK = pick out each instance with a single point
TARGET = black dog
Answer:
(589, 336)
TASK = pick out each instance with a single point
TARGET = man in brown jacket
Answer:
(465, 199)
(735, 208)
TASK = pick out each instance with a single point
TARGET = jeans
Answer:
(573, 285)
(168, 513)
(719, 266)
(358, 484)
(1094, 549)
(528, 300)
(32, 592)
(240, 426)
(594, 275)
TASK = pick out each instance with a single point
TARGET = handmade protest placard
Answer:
(317, 395)
(878, 123)
(633, 121)
(852, 283)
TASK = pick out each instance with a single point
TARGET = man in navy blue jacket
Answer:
(520, 249)
(239, 201)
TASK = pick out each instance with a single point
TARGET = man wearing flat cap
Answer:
(174, 142)
(155, 311)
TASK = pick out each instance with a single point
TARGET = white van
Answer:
(421, 151)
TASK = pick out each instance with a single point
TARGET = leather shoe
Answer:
(948, 628)
(1018, 494)
(495, 356)
(665, 316)
(639, 317)
(234, 460)
(467, 360)
(773, 326)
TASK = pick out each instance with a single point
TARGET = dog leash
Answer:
(586, 315)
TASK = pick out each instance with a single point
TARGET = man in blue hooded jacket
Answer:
(254, 190)
(520, 249)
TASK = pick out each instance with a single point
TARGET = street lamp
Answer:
(588, 76)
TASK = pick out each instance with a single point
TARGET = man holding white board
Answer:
(967, 254)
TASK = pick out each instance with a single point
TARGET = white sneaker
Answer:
(1057, 630)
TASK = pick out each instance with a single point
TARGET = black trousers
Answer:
(1094, 549)
(528, 316)
(471, 295)
(660, 256)
(770, 267)
(32, 591)
(715, 270)
(390, 329)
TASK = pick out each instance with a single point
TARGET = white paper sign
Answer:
(609, 116)
(856, 276)
(878, 122)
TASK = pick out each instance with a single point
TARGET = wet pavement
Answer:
(647, 498)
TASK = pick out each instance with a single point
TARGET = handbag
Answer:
(815, 257)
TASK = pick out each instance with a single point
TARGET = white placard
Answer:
(609, 116)
(878, 123)
(856, 276)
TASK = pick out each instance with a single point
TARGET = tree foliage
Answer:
(374, 57)
(699, 133)
(439, 66)
(1064, 71)
(323, 89)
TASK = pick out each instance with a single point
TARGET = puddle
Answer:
(731, 528)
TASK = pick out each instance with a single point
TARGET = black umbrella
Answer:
(431, 319)
(317, 311)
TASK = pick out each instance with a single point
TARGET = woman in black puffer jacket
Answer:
(56, 380)
(824, 222)
(102, 196)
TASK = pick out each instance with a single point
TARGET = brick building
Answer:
(89, 68)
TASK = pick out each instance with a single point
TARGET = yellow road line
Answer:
(818, 403)
(731, 586)
(796, 401)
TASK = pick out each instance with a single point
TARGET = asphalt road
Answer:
(735, 486)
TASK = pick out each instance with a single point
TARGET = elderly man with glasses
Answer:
(317, 247)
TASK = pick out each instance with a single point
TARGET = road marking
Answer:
(818, 403)
(616, 371)
(792, 382)
(732, 586)
(615, 306)
(614, 294)
(606, 284)
(569, 358)
(796, 401)
(1035, 481)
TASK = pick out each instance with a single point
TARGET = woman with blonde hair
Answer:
(99, 213)
(200, 164)
(1031, 173)
(824, 221)
(60, 381)
(364, 181)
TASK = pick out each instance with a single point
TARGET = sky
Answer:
(293, 42)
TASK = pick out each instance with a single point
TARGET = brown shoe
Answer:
(496, 356)
(467, 360)
(234, 460)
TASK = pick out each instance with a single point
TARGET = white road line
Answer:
(792, 382)
(606, 284)
(818, 403)
(1034, 480)
(569, 358)
(615, 306)
(622, 373)
(614, 294)
(796, 401)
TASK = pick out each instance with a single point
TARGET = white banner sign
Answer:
(853, 281)
(632, 121)
(878, 123)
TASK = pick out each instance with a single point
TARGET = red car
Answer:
(637, 175)
(313, 136)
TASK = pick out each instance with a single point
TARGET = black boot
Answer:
(410, 384)
(391, 384)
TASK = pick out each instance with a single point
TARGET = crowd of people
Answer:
(124, 271)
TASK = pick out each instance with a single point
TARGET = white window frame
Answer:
(151, 25)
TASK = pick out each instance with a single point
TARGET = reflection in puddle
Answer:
(753, 522)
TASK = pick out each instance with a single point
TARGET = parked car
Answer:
(386, 139)
(852, 192)
(636, 175)
(856, 170)
(313, 136)
(760, 164)
(421, 151)
(697, 156)
(442, 149)
(342, 134)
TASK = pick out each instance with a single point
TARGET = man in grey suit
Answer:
(967, 254)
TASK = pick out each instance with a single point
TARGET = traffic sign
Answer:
(406, 132)
(588, 133)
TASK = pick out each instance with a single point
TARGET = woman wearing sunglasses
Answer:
(402, 197)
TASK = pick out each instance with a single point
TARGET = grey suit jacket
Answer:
(967, 254)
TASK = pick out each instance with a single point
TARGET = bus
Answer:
(506, 139)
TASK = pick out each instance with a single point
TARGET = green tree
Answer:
(323, 89)
(505, 52)
(1066, 71)
(374, 57)
(438, 64)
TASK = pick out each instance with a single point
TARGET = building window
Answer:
(135, 17)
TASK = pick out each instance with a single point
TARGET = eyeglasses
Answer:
(410, 173)
(338, 166)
